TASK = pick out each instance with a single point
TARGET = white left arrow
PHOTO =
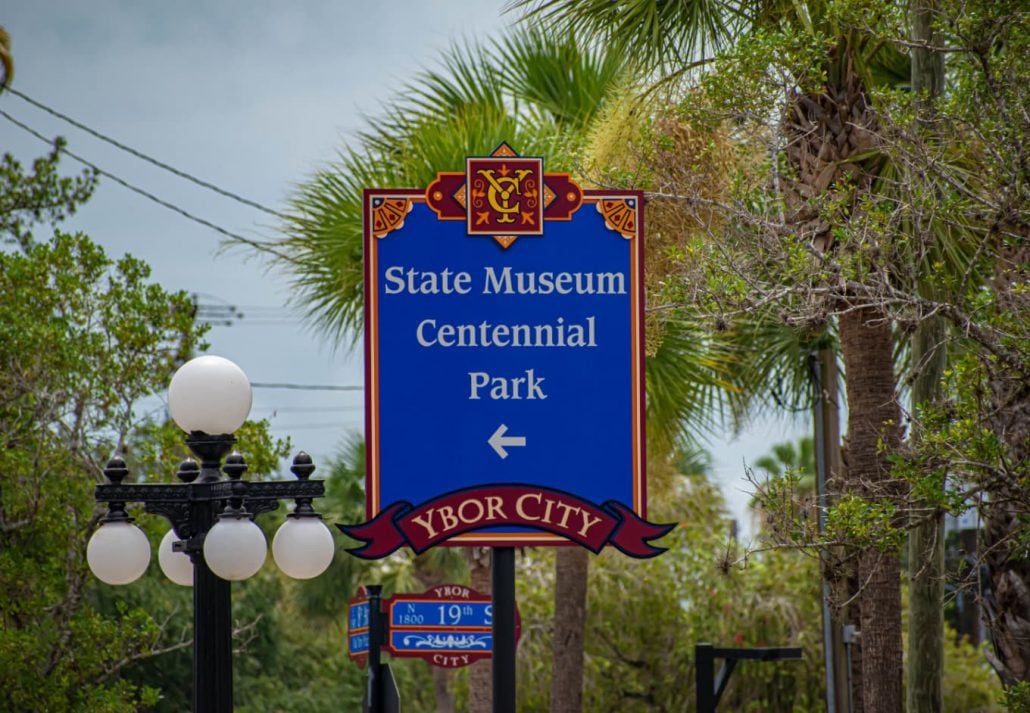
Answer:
(498, 441)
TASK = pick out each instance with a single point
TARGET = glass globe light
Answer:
(303, 547)
(209, 394)
(235, 548)
(177, 566)
(118, 552)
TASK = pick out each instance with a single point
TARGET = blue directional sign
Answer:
(503, 352)
(357, 629)
(439, 613)
(357, 644)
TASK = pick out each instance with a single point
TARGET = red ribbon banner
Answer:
(431, 523)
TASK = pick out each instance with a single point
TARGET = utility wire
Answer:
(256, 244)
(144, 157)
(310, 426)
(304, 387)
(275, 410)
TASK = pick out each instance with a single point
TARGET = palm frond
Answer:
(466, 76)
(530, 89)
(323, 234)
(689, 384)
(558, 74)
(663, 34)
(773, 364)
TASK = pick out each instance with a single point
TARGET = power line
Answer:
(256, 244)
(274, 410)
(304, 387)
(310, 426)
(140, 155)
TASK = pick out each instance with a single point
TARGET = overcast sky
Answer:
(253, 96)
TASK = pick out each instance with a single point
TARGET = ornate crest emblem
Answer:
(505, 194)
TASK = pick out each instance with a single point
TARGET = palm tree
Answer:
(789, 481)
(925, 670)
(538, 91)
(829, 143)
(527, 89)
(792, 458)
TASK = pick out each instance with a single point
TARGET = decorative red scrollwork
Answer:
(619, 215)
(388, 214)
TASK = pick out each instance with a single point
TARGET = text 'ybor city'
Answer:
(532, 508)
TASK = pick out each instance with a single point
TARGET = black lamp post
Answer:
(214, 539)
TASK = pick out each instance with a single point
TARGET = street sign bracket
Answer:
(708, 692)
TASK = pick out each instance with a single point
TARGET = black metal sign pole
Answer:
(709, 690)
(704, 677)
(376, 635)
(503, 576)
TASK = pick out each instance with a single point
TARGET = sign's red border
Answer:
(374, 505)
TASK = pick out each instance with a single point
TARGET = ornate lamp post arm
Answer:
(212, 519)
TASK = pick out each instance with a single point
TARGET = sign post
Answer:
(504, 352)
(449, 626)
(708, 691)
(503, 586)
(374, 693)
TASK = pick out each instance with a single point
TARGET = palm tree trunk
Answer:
(570, 606)
(926, 547)
(442, 690)
(873, 421)
(1008, 610)
(925, 668)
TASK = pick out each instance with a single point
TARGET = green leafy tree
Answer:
(863, 220)
(786, 484)
(819, 153)
(645, 616)
(83, 338)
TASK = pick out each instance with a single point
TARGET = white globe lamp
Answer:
(209, 394)
(303, 547)
(118, 552)
(235, 548)
(177, 566)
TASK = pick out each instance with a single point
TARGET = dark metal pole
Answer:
(376, 635)
(212, 595)
(212, 641)
(704, 677)
(824, 377)
(503, 574)
(821, 471)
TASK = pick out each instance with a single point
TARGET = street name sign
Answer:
(357, 629)
(504, 358)
(449, 626)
